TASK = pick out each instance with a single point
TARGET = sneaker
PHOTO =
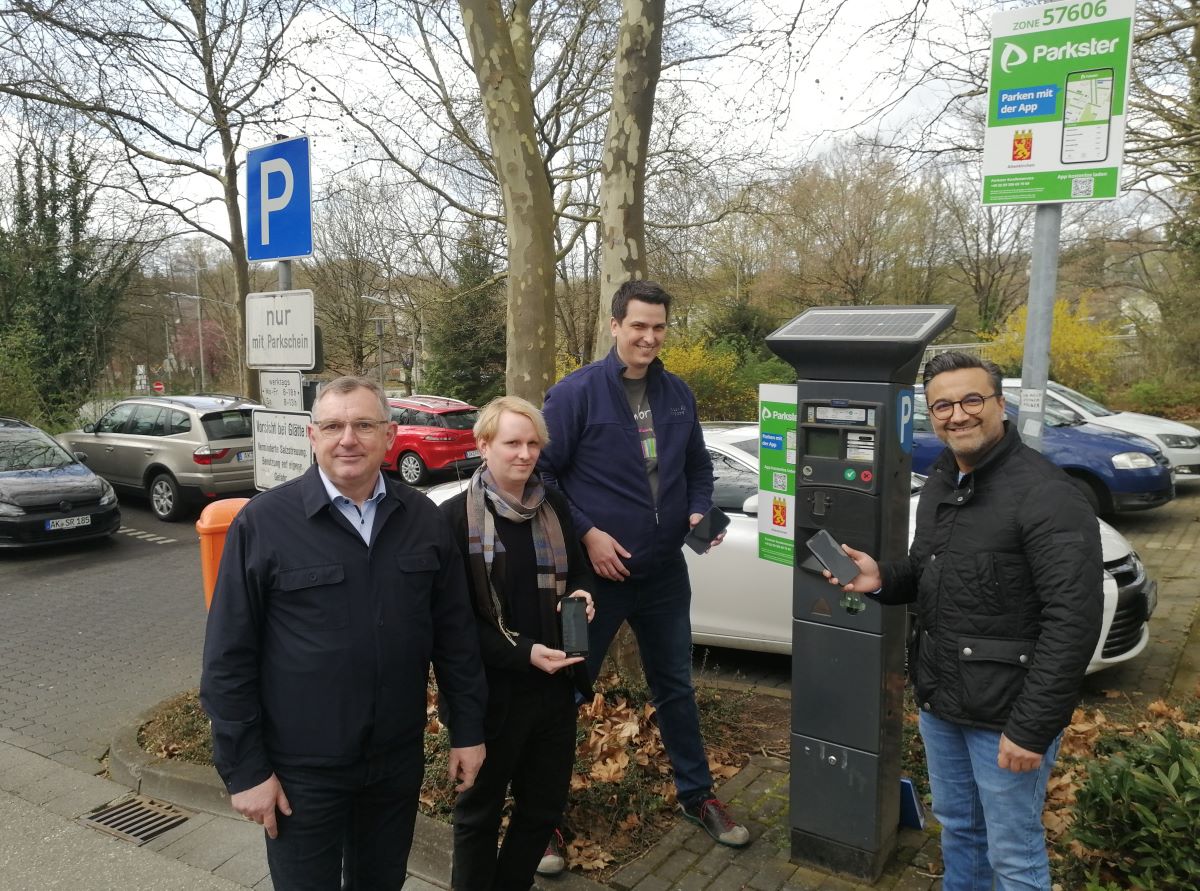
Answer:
(554, 861)
(714, 817)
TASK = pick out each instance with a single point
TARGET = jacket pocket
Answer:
(417, 570)
(313, 595)
(925, 663)
(992, 673)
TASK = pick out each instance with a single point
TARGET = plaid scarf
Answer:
(485, 551)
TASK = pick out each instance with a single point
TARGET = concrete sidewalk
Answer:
(45, 847)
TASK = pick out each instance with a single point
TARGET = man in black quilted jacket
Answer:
(1005, 569)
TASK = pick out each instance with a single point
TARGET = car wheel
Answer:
(1090, 490)
(165, 501)
(412, 468)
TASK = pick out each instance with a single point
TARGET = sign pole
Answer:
(1039, 320)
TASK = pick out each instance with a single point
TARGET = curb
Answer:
(200, 788)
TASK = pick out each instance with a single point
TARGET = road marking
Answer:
(146, 536)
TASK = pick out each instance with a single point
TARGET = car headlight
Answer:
(7, 509)
(1132, 461)
(108, 496)
(1172, 441)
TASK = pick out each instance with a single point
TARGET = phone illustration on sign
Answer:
(1087, 116)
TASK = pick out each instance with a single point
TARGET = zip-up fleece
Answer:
(595, 458)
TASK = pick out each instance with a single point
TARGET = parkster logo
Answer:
(769, 415)
(1012, 56)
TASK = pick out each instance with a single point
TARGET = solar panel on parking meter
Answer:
(849, 434)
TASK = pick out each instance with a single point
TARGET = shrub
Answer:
(1171, 397)
(1136, 815)
(1082, 352)
(712, 373)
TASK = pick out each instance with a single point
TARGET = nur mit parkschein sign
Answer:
(1058, 85)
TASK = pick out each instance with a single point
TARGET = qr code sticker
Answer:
(779, 482)
(1083, 187)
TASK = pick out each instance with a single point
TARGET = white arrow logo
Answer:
(1013, 55)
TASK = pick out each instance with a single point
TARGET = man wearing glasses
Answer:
(336, 591)
(1005, 571)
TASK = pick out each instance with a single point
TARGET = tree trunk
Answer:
(623, 188)
(529, 214)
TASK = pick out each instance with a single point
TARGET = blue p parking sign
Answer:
(279, 201)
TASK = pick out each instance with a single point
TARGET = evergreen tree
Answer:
(465, 334)
(59, 283)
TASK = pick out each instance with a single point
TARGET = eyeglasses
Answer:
(972, 404)
(361, 428)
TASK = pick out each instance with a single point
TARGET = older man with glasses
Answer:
(336, 592)
(1005, 572)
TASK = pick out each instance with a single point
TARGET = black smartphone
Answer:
(573, 615)
(826, 549)
(712, 524)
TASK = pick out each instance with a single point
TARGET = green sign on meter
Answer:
(1057, 97)
(776, 472)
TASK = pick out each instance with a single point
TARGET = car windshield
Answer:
(1091, 406)
(233, 424)
(460, 420)
(25, 449)
(1056, 414)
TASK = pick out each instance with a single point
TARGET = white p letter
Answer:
(269, 204)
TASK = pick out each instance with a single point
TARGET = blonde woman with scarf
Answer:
(522, 557)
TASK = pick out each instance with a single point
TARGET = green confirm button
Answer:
(849, 474)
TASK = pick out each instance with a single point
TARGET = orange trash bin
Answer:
(213, 524)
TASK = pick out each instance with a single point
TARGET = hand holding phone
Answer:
(700, 537)
(830, 554)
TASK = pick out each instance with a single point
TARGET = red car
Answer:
(435, 434)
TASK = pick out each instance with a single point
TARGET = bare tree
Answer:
(172, 88)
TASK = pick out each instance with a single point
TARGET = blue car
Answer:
(1116, 471)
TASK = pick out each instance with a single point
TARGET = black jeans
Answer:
(358, 817)
(533, 751)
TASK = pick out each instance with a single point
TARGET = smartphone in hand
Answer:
(700, 537)
(830, 554)
(573, 616)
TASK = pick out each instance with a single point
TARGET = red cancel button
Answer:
(866, 476)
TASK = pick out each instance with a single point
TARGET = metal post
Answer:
(379, 334)
(200, 329)
(284, 268)
(1039, 320)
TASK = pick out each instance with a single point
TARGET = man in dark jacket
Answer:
(627, 450)
(1005, 569)
(336, 591)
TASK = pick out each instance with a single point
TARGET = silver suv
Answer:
(174, 448)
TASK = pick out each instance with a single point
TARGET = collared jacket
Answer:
(594, 457)
(1006, 571)
(318, 646)
(503, 658)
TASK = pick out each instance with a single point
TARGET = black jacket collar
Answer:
(947, 467)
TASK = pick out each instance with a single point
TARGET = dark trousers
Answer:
(533, 751)
(356, 819)
(658, 610)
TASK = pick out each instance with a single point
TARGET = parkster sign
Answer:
(1057, 99)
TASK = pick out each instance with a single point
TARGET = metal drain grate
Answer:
(138, 819)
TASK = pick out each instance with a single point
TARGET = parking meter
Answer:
(855, 369)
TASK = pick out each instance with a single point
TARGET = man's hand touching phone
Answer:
(869, 578)
(605, 553)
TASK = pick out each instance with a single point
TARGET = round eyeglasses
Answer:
(972, 404)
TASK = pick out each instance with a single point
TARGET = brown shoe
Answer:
(714, 817)
(554, 861)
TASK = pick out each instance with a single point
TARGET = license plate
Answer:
(247, 455)
(68, 523)
(473, 453)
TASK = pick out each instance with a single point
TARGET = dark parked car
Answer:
(46, 495)
(1116, 471)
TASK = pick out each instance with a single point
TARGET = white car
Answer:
(1179, 442)
(743, 602)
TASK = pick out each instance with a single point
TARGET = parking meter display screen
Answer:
(823, 443)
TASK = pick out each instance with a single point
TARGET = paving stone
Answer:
(249, 867)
